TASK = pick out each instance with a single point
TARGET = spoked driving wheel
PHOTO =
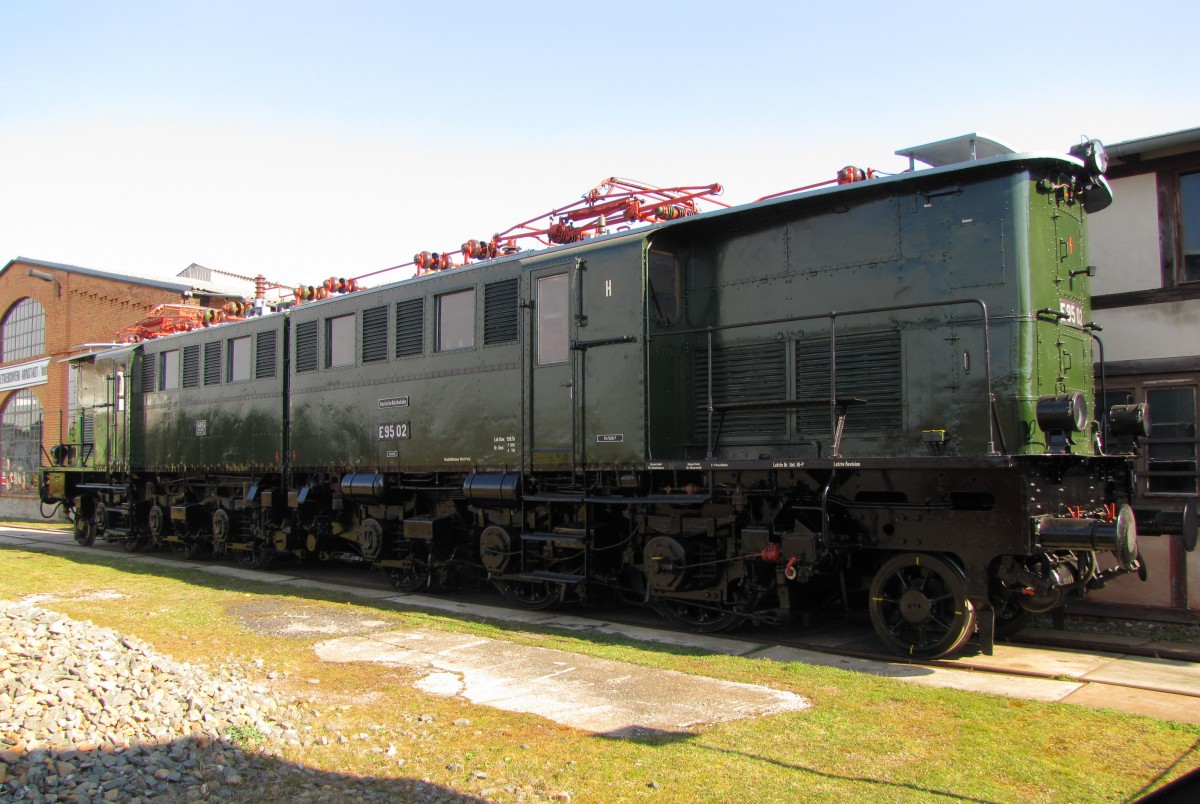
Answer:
(701, 619)
(415, 574)
(85, 528)
(531, 594)
(1010, 616)
(187, 547)
(134, 542)
(408, 579)
(919, 606)
(257, 556)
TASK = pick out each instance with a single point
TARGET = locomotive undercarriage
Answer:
(935, 555)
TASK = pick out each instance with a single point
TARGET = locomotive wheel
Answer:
(188, 548)
(99, 520)
(534, 595)
(257, 557)
(686, 614)
(919, 606)
(1010, 617)
(156, 519)
(85, 530)
(220, 530)
(133, 542)
(408, 579)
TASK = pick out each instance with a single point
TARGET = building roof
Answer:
(1187, 139)
(177, 286)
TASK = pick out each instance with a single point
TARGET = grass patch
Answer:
(866, 738)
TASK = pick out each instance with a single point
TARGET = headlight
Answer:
(1063, 413)
(1093, 155)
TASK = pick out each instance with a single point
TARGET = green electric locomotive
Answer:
(879, 393)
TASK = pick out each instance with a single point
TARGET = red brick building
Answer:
(50, 311)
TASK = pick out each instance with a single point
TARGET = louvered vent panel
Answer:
(212, 363)
(757, 372)
(149, 362)
(89, 429)
(374, 335)
(306, 347)
(265, 355)
(410, 327)
(191, 366)
(868, 367)
(500, 304)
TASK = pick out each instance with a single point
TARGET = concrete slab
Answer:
(596, 695)
(1013, 658)
(350, 591)
(1035, 689)
(244, 574)
(1152, 703)
(700, 642)
(1052, 637)
(434, 603)
(1163, 675)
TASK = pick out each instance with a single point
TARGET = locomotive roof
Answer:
(743, 213)
(999, 162)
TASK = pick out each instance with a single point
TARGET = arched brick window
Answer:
(20, 442)
(23, 333)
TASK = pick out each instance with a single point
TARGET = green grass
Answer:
(864, 739)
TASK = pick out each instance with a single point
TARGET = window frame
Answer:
(23, 330)
(231, 362)
(1148, 473)
(465, 315)
(1169, 173)
(1138, 388)
(168, 380)
(561, 317)
(340, 345)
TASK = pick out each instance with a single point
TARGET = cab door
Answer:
(551, 397)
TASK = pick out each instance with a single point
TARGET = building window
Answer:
(168, 370)
(24, 331)
(456, 320)
(339, 341)
(239, 359)
(1171, 447)
(553, 330)
(1189, 227)
(20, 442)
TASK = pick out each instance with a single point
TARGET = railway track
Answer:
(1041, 655)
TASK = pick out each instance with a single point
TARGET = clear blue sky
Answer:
(307, 139)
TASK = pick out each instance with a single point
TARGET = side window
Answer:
(1189, 227)
(239, 359)
(553, 331)
(339, 341)
(456, 320)
(662, 287)
(168, 374)
(1171, 447)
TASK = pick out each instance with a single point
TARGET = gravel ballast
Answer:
(90, 715)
